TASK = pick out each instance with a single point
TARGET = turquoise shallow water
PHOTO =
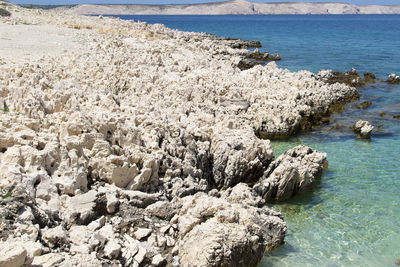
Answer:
(352, 218)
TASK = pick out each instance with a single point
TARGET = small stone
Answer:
(158, 260)
(112, 202)
(47, 260)
(12, 256)
(142, 233)
(112, 249)
(55, 237)
(26, 214)
(164, 229)
(161, 241)
(139, 257)
(83, 249)
(93, 226)
(170, 241)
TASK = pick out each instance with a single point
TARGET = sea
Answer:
(352, 218)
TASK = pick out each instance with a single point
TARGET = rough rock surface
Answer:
(351, 78)
(363, 129)
(12, 256)
(214, 230)
(293, 173)
(238, 157)
(393, 78)
(4, 13)
(134, 139)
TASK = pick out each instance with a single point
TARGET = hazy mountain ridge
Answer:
(235, 7)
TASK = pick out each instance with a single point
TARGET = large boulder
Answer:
(216, 232)
(238, 156)
(292, 173)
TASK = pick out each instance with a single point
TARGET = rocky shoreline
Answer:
(141, 147)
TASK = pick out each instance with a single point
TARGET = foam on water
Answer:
(352, 218)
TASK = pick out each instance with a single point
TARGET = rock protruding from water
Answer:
(227, 231)
(351, 78)
(241, 44)
(393, 79)
(292, 173)
(363, 129)
(238, 156)
(257, 58)
(363, 105)
(263, 56)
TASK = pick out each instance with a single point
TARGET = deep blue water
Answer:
(311, 42)
(352, 218)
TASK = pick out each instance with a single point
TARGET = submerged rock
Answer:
(363, 129)
(364, 105)
(369, 77)
(292, 173)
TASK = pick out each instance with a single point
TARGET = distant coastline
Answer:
(231, 7)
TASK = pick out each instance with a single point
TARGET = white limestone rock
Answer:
(46, 188)
(393, 79)
(55, 237)
(48, 260)
(142, 233)
(80, 208)
(292, 173)
(128, 121)
(112, 202)
(363, 129)
(12, 255)
(112, 249)
(238, 156)
(158, 260)
(214, 232)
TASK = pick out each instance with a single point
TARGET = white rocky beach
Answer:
(136, 145)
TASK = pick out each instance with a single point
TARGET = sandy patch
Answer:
(24, 43)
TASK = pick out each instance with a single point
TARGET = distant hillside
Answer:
(234, 7)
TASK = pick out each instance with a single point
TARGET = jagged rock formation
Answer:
(363, 129)
(351, 78)
(293, 173)
(236, 7)
(133, 139)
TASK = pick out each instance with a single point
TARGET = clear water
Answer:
(352, 218)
